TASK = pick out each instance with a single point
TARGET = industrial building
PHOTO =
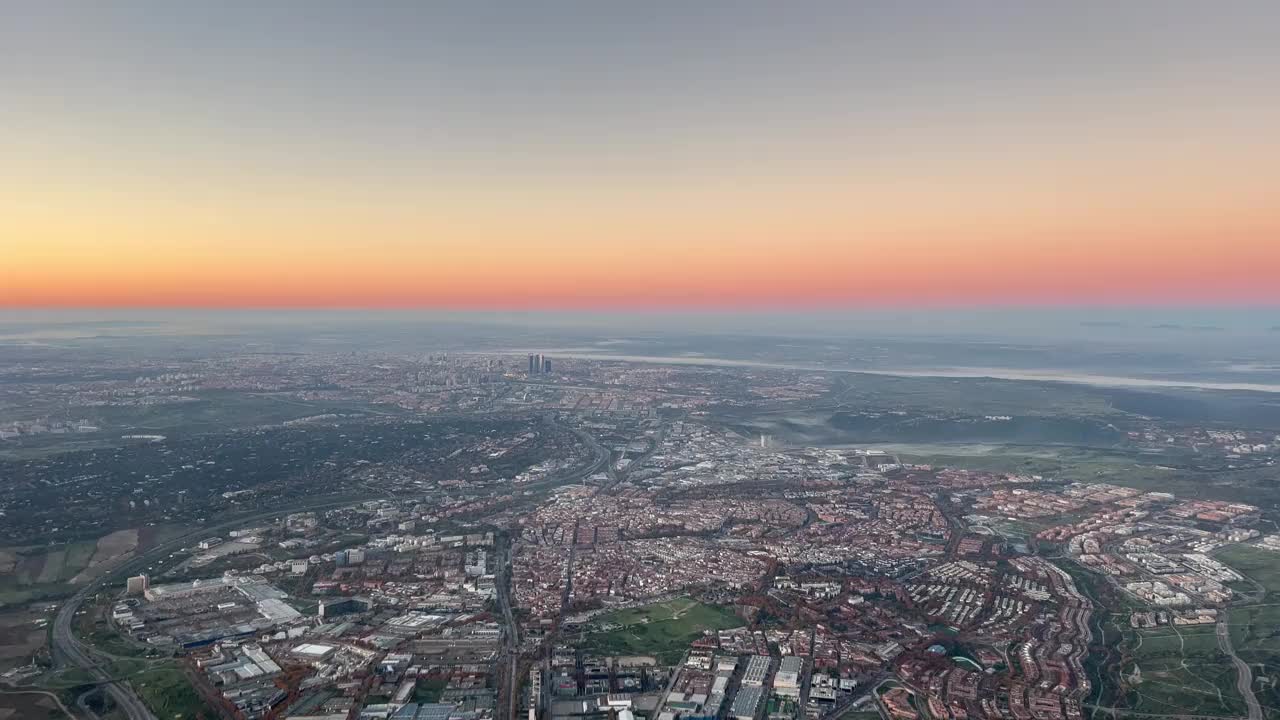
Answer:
(787, 681)
(747, 703)
(757, 670)
(205, 611)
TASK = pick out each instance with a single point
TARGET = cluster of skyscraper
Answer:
(539, 364)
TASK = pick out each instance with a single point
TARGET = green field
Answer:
(1178, 670)
(1261, 566)
(112, 643)
(169, 694)
(120, 668)
(1255, 635)
(1255, 627)
(1197, 641)
(1181, 686)
(65, 678)
(663, 629)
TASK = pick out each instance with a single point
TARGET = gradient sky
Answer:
(654, 154)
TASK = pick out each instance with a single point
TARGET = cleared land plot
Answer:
(52, 570)
(77, 558)
(153, 535)
(29, 705)
(20, 637)
(663, 629)
(106, 552)
(30, 566)
(13, 595)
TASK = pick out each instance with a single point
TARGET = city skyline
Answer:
(562, 157)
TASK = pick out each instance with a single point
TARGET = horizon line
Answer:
(630, 308)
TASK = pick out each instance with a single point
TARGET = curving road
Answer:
(68, 649)
(1244, 675)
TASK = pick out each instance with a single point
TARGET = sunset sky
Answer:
(637, 155)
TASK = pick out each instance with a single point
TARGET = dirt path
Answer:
(49, 695)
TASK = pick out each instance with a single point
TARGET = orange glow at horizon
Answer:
(1156, 223)
(773, 246)
(792, 272)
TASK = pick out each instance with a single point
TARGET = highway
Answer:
(68, 649)
(601, 457)
(510, 632)
(616, 476)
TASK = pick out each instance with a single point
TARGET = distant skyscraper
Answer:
(546, 365)
(533, 364)
(539, 366)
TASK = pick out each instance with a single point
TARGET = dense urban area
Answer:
(702, 360)
(512, 535)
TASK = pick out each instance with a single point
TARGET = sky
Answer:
(658, 155)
